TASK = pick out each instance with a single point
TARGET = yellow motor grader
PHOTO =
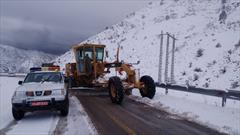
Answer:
(91, 68)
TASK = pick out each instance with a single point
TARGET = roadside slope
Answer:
(208, 44)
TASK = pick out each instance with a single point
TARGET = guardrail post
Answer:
(166, 90)
(224, 99)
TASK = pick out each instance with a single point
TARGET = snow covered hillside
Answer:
(18, 60)
(208, 46)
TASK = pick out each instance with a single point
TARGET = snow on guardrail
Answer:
(13, 74)
(224, 94)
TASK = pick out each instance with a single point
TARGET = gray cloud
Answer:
(30, 35)
(53, 26)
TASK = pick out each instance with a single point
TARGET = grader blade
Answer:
(86, 91)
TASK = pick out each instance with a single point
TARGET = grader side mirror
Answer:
(66, 79)
(106, 53)
(135, 63)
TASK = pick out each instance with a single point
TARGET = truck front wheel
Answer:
(17, 114)
(65, 109)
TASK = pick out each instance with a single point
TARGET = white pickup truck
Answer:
(40, 90)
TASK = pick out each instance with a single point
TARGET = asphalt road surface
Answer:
(135, 118)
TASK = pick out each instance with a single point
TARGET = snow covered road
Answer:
(195, 107)
(135, 118)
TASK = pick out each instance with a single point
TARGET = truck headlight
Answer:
(19, 94)
(58, 92)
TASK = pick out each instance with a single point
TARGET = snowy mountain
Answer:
(19, 60)
(207, 47)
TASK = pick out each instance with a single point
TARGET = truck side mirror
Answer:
(20, 82)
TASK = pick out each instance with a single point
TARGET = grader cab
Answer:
(91, 68)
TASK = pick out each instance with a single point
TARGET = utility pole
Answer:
(167, 79)
(166, 64)
(172, 64)
(160, 59)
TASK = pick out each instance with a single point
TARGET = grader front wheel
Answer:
(149, 87)
(116, 91)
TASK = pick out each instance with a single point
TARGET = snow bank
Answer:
(7, 88)
(202, 109)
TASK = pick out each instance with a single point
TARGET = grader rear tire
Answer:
(149, 88)
(116, 91)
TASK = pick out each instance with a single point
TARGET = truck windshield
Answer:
(43, 77)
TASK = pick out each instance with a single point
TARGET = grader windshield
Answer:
(99, 54)
(88, 54)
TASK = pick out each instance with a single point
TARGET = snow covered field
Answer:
(40, 122)
(202, 109)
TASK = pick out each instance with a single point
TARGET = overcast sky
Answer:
(53, 26)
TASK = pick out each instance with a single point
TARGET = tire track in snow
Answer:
(77, 122)
(41, 122)
(8, 127)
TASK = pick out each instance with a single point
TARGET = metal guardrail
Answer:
(13, 74)
(224, 94)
